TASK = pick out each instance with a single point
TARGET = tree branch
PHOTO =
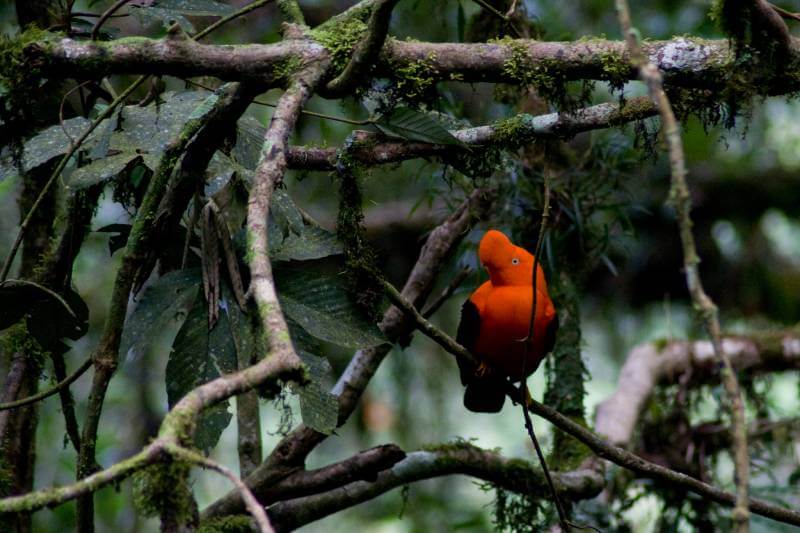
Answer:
(684, 62)
(649, 365)
(66, 382)
(373, 149)
(681, 200)
(365, 55)
(457, 458)
(253, 507)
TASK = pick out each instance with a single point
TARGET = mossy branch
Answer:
(365, 54)
(681, 201)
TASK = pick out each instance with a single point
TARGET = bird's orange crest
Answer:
(507, 264)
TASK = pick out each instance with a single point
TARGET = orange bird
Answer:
(495, 321)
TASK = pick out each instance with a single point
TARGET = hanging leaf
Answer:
(120, 239)
(413, 125)
(313, 242)
(162, 307)
(318, 407)
(102, 170)
(285, 212)
(199, 356)
(320, 304)
(104, 140)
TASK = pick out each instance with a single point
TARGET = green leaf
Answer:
(249, 141)
(199, 356)
(461, 22)
(413, 125)
(162, 307)
(118, 241)
(318, 407)
(52, 142)
(102, 170)
(149, 129)
(313, 242)
(320, 304)
(285, 213)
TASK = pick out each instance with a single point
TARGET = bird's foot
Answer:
(483, 370)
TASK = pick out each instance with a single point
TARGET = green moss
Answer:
(340, 40)
(22, 90)
(17, 339)
(517, 512)
(546, 76)
(227, 524)
(364, 277)
(616, 69)
(163, 488)
(514, 131)
(415, 82)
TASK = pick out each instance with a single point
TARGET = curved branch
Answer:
(253, 507)
(52, 390)
(365, 54)
(649, 365)
(458, 458)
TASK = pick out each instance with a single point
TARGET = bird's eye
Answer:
(515, 261)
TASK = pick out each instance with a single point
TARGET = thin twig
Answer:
(785, 14)
(448, 291)
(506, 18)
(366, 53)
(51, 391)
(243, 11)
(365, 122)
(108, 13)
(681, 200)
(250, 501)
(562, 515)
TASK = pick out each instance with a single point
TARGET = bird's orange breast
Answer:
(505, 313)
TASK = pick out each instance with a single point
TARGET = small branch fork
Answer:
(681, 200)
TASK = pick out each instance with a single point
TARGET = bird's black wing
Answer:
(485, 394)
(467, 336)
(550, 336)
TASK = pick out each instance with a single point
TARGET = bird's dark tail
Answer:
(485, 394)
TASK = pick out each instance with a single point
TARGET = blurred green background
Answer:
(746, 194)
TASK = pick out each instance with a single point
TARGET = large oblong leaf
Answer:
(412, 125)
(164, 305)
(198, 356)
(102, 169)
(318, 407)
(319, 302)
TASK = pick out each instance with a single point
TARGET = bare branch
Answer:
(458, 458)
(681, 200)
(250, 501)
(649, 365)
